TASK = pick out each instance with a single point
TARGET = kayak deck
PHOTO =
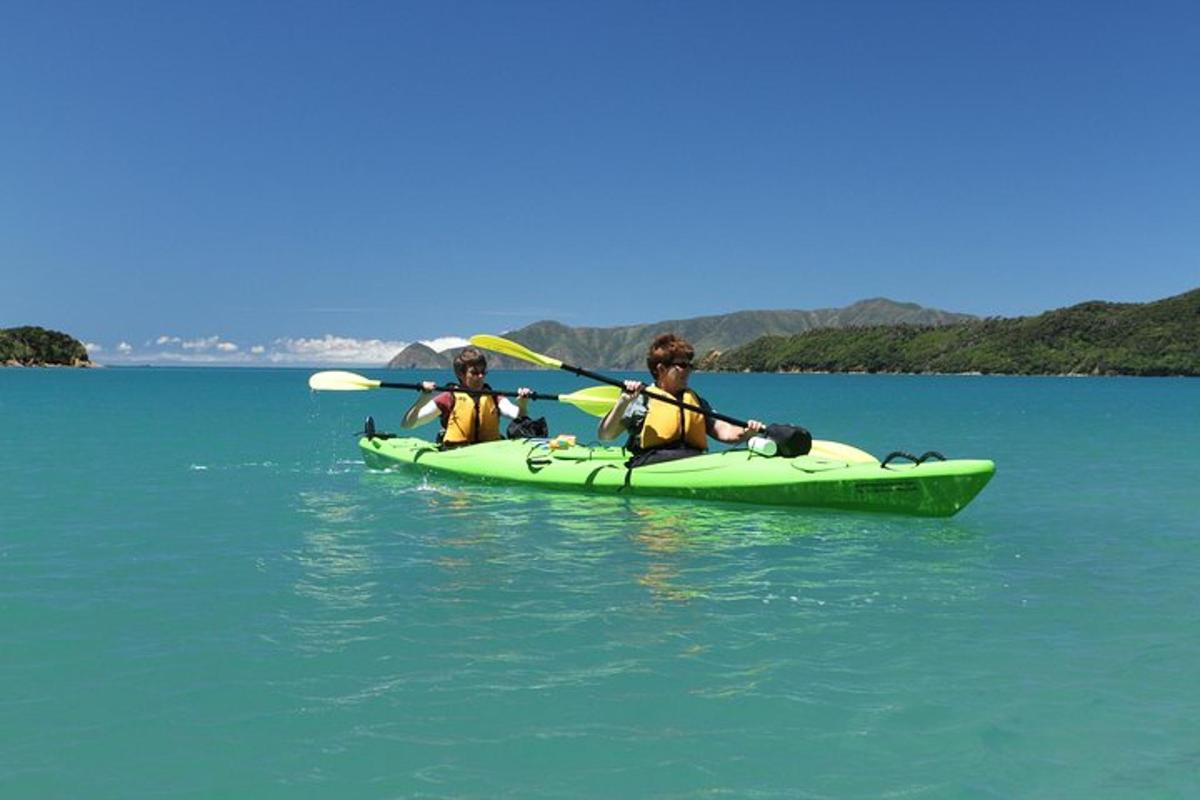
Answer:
(932, 488)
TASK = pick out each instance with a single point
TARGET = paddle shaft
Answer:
(464, 390)
(585, 373)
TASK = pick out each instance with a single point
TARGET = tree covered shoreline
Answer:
(31, 346)
(1096, 338)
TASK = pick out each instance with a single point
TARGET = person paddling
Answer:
(662, 431)
(467, 417)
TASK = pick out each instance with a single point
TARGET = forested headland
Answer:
(31, 346)
(1094, 338)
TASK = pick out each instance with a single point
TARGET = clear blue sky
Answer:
(264, 172)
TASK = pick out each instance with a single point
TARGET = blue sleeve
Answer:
(708, 419)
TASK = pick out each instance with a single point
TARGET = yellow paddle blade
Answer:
(842, 452)
(595, 401)
(338, 381)
(511, 348)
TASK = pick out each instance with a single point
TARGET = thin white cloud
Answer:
(92, 347)
(298, 351)
(331, 349)
(208, 358)
(527, 313)
(205, 343)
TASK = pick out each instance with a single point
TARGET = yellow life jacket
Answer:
(667, 423)
(472, 419)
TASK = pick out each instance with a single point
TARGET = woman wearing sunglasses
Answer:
(467, 417)
(662, 431)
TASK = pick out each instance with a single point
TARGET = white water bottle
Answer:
(763, 446)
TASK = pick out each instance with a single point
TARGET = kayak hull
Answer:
(932, 489)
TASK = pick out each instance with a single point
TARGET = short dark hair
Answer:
(667, 348)
(468, 357)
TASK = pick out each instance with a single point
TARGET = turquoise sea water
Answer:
(204, 593)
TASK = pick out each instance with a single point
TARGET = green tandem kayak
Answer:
(854, 481)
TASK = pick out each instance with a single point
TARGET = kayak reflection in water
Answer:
(467, 417)
(658, 429)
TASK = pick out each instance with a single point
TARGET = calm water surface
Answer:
(205, 593)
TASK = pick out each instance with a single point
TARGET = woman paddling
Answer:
(662, 431)
(467, 417)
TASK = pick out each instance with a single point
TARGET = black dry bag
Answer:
(526, 428)
(791, 439)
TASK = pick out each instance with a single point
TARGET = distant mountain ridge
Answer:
(624, 347)
(1093, 338)
(420, 356)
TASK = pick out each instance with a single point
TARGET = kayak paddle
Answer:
(596, 400)
(791, 439)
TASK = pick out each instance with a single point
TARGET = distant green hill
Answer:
(33, 346)
(420, 356)
(624, 347)
(1094, 338)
